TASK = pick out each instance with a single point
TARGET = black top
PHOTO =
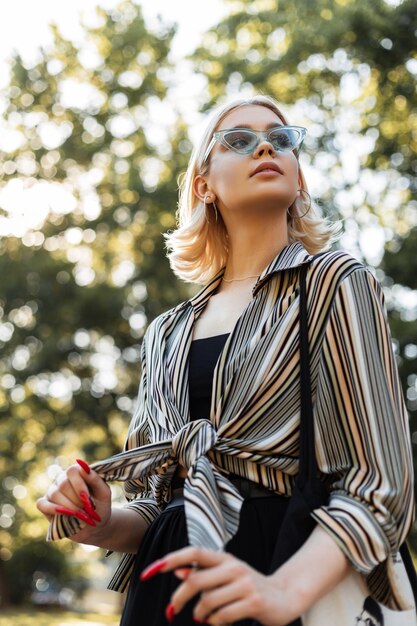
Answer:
(204, 354)
(202, 360)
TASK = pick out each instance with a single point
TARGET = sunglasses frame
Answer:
(260, 134)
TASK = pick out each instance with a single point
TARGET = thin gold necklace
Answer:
(232, 280)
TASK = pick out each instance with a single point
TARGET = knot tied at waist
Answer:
(192, 441)
(212, 502)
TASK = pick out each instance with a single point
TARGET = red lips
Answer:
(267, 165)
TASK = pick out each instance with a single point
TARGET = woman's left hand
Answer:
(230, 589)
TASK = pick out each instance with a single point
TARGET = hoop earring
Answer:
(299, 217)
(215, 209)
(205, 208)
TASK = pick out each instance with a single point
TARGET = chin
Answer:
(269, 202)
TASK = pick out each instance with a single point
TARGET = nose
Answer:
(263, 148)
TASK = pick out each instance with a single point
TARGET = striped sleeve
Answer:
(362, 428)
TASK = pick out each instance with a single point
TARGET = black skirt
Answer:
(260, 520)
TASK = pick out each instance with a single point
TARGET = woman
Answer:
(212, 449)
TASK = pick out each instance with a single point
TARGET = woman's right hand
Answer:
(71, 491)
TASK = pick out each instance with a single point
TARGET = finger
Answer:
(96, 486)
(50, 510)
(205, 580)
(216, 599)
(84, 487)
(69, 484)
(63, 495)
(88, 506)
(183, 572)
(46, 507)
(71, 490)
(200, 557)
(231, 613)
(76, 477)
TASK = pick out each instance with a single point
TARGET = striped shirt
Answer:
(362, 434)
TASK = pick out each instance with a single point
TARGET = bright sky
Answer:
(26, 24)
(27, 34)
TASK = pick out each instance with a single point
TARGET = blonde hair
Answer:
(198, 248)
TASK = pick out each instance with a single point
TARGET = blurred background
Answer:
(100, 103)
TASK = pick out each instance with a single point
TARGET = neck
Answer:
(253, 244)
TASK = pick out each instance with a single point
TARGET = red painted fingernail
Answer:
(94, 515)
(84, 465)
(152, 569)
(197, 621)
(85, 518)
(88, 507)
(64, 511)
(82, 516)
(170, 612)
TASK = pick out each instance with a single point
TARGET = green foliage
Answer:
(36, 562)
(400, 265)
(400, 260)
(80, 286)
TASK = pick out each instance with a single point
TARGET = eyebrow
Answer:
(272, 125)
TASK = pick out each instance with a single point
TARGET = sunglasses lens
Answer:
(285, 139)
(241, 140)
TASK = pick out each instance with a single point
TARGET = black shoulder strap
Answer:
(308, 465)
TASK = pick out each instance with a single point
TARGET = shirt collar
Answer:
(291, 256)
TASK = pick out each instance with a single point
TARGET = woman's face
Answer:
(231, 176)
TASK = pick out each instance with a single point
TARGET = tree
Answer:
(88, 269)
(90, 130)
(399, 264)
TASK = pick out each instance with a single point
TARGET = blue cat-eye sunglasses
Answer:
(245, 140)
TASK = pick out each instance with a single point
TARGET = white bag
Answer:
(346, 605)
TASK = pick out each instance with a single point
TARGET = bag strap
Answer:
(308, 464)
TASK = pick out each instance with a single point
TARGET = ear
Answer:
(202, 191)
